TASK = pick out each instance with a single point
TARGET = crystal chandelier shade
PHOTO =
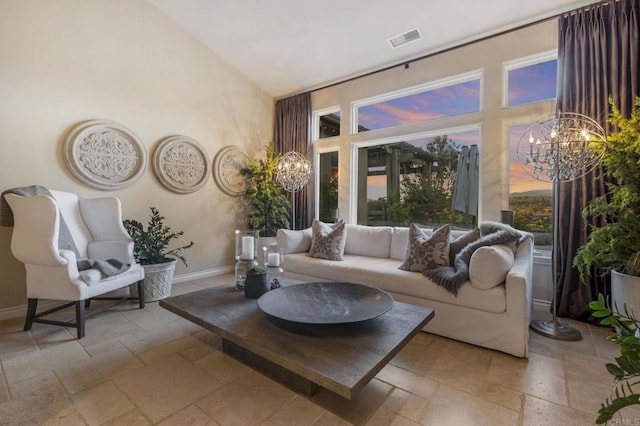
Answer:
(561, 149)
(293, 171)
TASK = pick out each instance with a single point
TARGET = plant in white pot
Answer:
(150, 249)
(614, 245)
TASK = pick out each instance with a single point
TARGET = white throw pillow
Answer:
(489, 266)
(372, 241)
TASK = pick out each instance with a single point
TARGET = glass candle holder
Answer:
(274, 262)
(247, 244)
(242, 266)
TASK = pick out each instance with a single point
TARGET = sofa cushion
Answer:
(327, 240)
(384, 273)
(489, 266)
(373, 241)
(424, 251)
(399, 241)
(292, 241)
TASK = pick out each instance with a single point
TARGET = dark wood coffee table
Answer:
(341, 358)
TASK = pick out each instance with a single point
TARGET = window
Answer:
(447, 98)
(412, 180)
(530, 80)
(529, 198)
(328, 187)
(326, 123)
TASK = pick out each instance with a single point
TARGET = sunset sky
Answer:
(528, 84)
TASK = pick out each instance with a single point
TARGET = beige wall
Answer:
(488, 56)
(65, 61)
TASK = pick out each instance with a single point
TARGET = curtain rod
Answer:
(407, 63)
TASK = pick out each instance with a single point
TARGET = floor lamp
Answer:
(292, 173)
(559, 149)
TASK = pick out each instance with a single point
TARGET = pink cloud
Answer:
(520, 181)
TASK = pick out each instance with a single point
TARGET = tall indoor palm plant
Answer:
(267, 204)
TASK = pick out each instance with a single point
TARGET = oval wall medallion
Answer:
(104, 154)
(226, 170)
(181, 164)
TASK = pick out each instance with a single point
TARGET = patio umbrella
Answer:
(465, 190)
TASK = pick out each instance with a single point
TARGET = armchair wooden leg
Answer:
(32, 305)
(141, 294)
(80, 318)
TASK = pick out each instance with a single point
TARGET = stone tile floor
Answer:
(142, 367)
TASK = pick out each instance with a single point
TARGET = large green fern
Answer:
(626, 370)
(150, 246)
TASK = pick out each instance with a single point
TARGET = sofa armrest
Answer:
(519, 283)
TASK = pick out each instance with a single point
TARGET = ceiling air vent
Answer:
(405, 38)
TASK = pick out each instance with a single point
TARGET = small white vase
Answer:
(625, 289)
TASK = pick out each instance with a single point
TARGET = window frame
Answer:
(315, 122)
(477, 74)
(317, 151)
(522, 63)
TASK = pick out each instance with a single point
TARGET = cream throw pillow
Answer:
(327, 241)
(489, 266)
(426, 252)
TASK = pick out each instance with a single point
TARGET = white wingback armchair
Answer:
(95, 225)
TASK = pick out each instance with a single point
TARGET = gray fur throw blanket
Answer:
(452, 277)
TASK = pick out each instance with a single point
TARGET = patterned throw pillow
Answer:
(424, 252)
(328, 240)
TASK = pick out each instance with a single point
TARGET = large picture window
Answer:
(529, 198)
(442, 99)
(412, 180)
(328, 187)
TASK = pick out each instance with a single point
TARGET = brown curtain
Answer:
(598, 57)
(291, 133)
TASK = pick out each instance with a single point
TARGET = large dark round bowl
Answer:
(325, 303)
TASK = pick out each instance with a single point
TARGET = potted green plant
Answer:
(268, 206)
(256, 283)
(626, 369)
(151, 250)
(614, 245)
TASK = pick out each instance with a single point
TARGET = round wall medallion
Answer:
(226, 170)
(104, 154)
(181, 164)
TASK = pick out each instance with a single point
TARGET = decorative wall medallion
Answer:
(226, 170)
(104, 154)
(181, 164)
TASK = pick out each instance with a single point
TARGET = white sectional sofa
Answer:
(496, 318)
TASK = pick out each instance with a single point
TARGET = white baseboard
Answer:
(202, 274)
(21, 310)
(541, 305)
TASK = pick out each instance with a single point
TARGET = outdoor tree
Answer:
(426, 186)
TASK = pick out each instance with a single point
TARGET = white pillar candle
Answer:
(247, 247)
(273, 259)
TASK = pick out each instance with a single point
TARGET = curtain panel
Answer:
(598, 57)
(291, 133)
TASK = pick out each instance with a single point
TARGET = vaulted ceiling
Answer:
(288, 46)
